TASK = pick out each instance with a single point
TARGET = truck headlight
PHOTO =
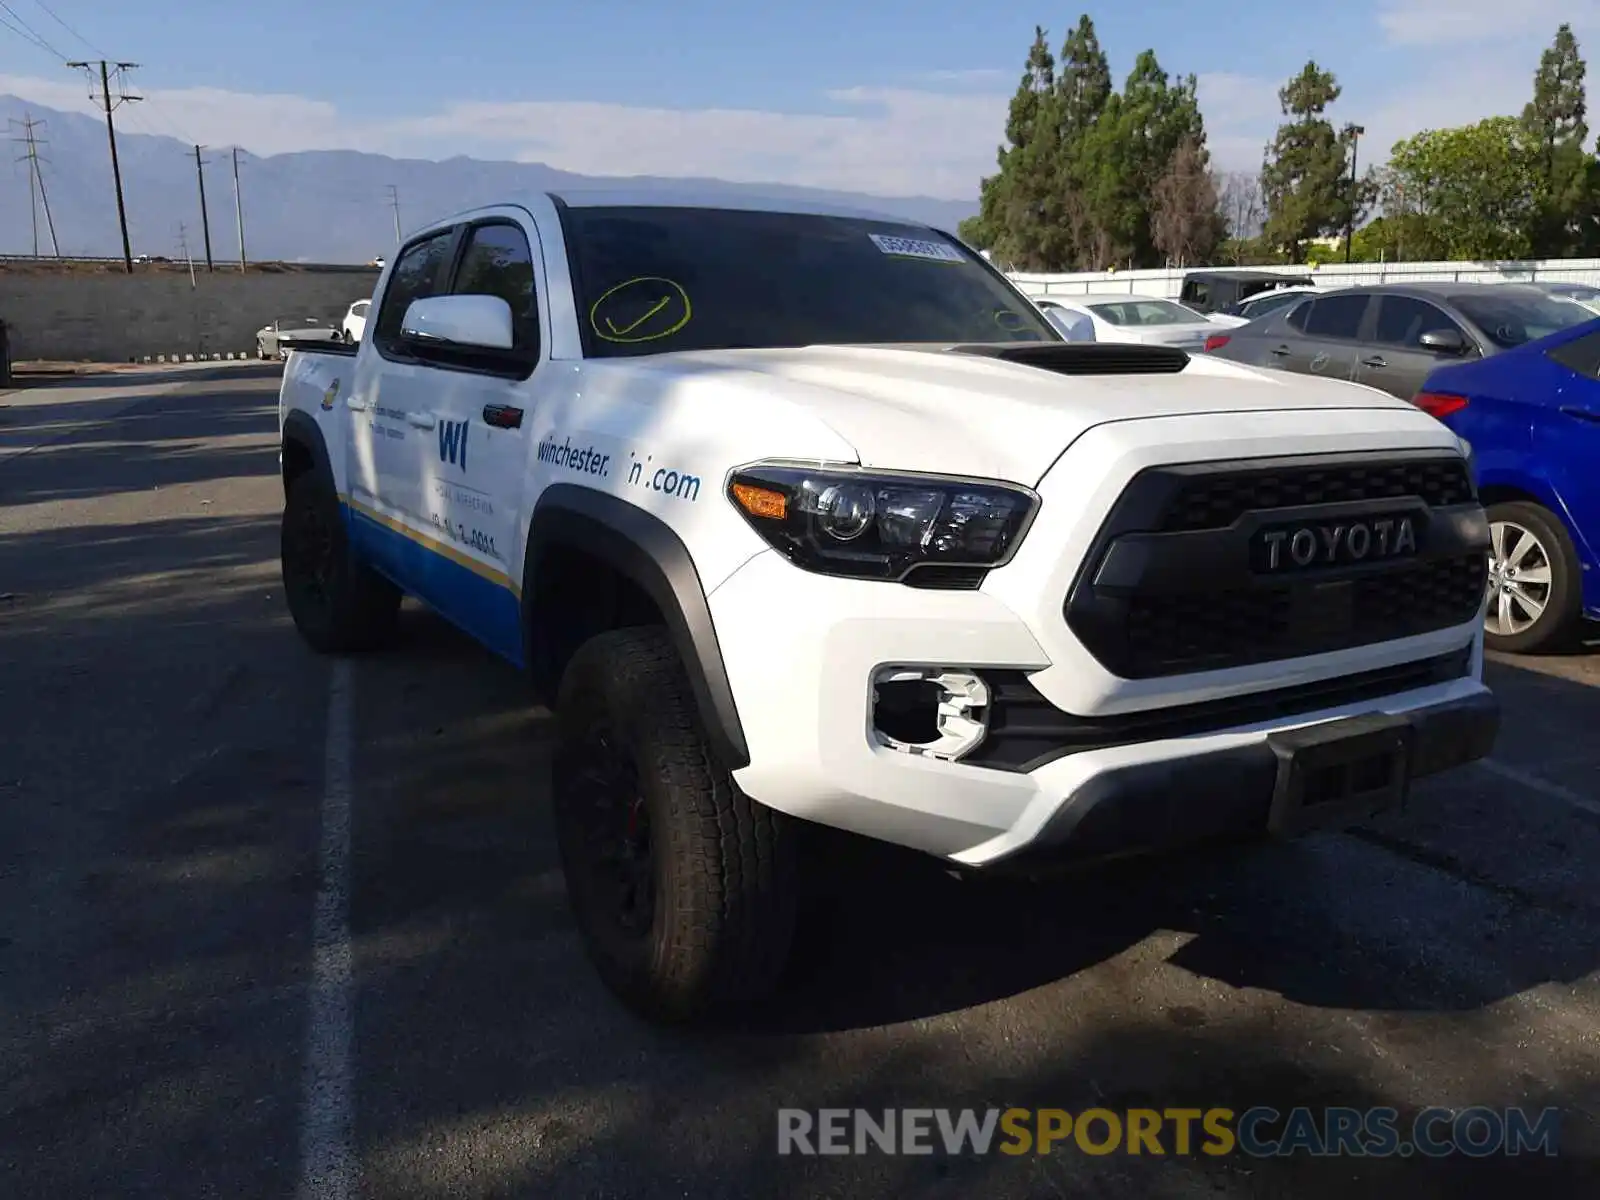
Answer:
(838, 519)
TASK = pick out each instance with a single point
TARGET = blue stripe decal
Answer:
(485, 610)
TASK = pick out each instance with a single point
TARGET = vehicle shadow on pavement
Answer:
(494, 1063)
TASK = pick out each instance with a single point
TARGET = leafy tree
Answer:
(1185, 223)
(1304, 177)
(1554, 122)
(1469, 192)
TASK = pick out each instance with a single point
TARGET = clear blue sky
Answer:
(386, 70)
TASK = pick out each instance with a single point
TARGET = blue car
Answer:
(1532, 416)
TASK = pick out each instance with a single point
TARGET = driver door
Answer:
(1394, 359)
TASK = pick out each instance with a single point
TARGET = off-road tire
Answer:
(722, 876)
(344, 606)
(1557, 627)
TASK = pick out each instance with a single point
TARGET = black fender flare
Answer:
(644, 549)
(302, 429)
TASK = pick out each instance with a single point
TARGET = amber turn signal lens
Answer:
(761, 502)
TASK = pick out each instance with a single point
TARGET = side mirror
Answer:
(482, 322)
(1444, 341)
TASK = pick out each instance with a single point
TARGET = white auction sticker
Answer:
(913, 248)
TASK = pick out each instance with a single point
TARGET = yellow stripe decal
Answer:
(481, 569)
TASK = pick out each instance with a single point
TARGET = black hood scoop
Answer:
(1084, 358)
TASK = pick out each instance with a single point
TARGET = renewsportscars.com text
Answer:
(1259, 1132)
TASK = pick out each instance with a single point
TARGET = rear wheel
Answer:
(1535, 585)
(338, 603)
(682, 887)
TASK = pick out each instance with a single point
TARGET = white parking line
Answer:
(327, 1149)
(1544, 787)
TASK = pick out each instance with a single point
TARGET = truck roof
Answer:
(715, 197)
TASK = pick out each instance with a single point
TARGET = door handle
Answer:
(1582, 414)
(422, 420)
(1376, 360)
(356, 405)
(1279, 351)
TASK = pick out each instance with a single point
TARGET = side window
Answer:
(1196, 293)
(1336, 317)
(1581, 355)
(1298, 314)
(498, 262)
(1402, 320)
(362, 306)
(416, 275)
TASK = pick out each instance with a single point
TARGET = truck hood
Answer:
(933, 409)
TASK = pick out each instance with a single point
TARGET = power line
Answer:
(51, 13)
(27, 31)
(36, 182)
(111, 134)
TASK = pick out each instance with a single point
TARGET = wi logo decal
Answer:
(453, 443)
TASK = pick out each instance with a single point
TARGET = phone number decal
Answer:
(473, 539)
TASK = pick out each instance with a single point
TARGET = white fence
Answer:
(1167, 281)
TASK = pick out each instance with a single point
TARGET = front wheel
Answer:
(682, 887)
(1535, 585)
(337, 602)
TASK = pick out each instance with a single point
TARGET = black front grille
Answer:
(1215, 501)
(1171, 587)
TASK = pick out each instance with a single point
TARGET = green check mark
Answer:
(659, 305)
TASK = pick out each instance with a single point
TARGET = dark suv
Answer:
(1390, 336)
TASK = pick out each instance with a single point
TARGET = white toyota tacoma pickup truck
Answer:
(805, 515)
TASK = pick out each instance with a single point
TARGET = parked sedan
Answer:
(284, 329)
(1390, 336)
(1121, 317)
(1532, 415)
(1585, 294)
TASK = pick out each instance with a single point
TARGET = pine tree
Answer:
(1303, 176)
(1014, 212)
(1083, 90)
(1554, 120)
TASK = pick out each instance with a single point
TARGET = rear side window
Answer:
(1297, 316)
(417, 274)
(1402, 320)
(498, 262)
(1196, 293)
(1581, 355)
(1336, 317)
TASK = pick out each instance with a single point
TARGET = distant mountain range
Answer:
(311, 206)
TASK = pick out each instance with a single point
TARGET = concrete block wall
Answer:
(111, 316)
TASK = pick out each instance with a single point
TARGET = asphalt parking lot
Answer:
(273, 925)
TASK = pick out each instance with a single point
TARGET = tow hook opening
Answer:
(940, 712)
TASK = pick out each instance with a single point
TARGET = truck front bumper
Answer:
(1284, 784)
(1327, 741)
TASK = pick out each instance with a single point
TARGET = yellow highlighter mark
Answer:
(664, 316)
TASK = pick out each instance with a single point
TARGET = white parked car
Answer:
(876, 551)
(1585, 294)
(1260, 304)
(1121, 317)
(355, 321)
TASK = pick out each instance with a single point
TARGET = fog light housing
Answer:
(940, 712)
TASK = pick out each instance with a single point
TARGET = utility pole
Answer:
(394, 203)
(238, 206)
(205, 219)
(36, 188)
(1350, 211)
(111, 133)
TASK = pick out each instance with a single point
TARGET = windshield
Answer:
(652, 280)
(1146, 312)
(1511, 318)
